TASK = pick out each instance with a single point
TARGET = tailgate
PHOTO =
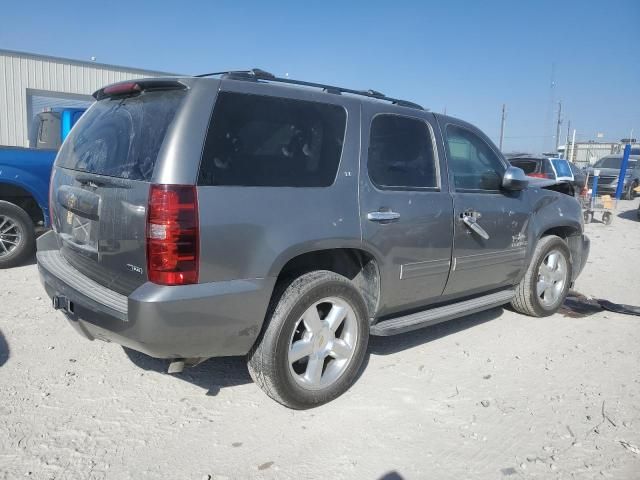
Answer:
(100, 186)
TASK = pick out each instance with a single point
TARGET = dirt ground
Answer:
(492, 395)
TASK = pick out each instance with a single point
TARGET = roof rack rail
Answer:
(256, 74)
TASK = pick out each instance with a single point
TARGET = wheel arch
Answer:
(21, 195)
(572, 235)
(354, 262)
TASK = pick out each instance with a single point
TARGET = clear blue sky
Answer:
(469, 57)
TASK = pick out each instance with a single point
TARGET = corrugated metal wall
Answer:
(585, 154)
(21, 71)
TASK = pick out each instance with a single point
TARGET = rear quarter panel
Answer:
(251, 232)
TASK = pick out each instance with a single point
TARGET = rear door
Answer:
(100, 185)
(491, 225)
(405, 206)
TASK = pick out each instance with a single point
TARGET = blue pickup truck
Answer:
(24, 184)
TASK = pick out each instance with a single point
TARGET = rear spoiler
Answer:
(123, 89)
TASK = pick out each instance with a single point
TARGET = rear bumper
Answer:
(191, 321)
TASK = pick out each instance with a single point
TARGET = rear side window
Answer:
(401, 153)
(255, 140)
(121, 137)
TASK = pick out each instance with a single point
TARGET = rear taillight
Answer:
(540, 175)
(172, 235)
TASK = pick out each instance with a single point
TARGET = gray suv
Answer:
(287, 221)
(609, 170)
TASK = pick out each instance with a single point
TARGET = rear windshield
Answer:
(528, 166)
(121, 137)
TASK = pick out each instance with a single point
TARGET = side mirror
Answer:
(514, 179)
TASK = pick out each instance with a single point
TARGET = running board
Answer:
(436, 315)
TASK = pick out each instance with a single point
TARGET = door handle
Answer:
(472, 223)
(383, 216)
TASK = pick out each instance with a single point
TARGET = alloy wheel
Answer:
(10, 235)
(552, 277)
(323, 343)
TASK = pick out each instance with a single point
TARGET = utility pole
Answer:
(566, 145)
(573, 142)
(502, 126)
(558, 126)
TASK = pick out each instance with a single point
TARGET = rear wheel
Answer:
(314, 343)
(545, 285)
(17, 235)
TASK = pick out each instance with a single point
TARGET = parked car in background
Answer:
(557, 169)
(24, 184)
(204, 217)
(609, 168)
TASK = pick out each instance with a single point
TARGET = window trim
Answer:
(277, 97)
(452, 180)
(436, 157)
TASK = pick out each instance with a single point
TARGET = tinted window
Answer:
(267, 141)
(121, 137)
(401, 153)
(528, 166)
(474, 165)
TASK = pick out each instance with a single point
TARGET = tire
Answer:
(17, 235)
(607, 218)
(526, 299)
(588, 216)
(292, 383)
(629, 194)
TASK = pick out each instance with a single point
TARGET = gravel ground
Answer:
(492, 395)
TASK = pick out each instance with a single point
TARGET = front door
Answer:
(405, 207)
(491, 225)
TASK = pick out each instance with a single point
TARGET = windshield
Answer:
(613, 162)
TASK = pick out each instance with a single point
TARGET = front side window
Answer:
(474, 165)
(255, 140)
(401, 153)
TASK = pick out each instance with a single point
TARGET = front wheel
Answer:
(545, 285)
(314, 343)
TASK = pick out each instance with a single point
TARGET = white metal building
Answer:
(588, 153)
(30, 82)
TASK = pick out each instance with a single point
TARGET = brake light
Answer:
(121, 89)
(173, 235)
(540, 175)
